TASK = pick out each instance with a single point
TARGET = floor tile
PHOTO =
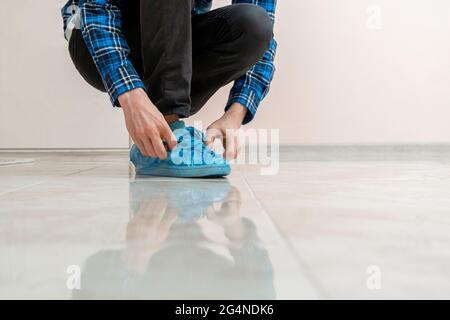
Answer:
(141, 238)
(342, 217)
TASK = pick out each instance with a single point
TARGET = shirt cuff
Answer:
(121, 80)
(249, 99)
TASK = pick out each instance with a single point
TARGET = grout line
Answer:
(155, 178)
(15, 162)
(43, 181)
(65, 150)
(21, 188)
(303, 265)
(83, 170)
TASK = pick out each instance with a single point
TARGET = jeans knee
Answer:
(256, 27)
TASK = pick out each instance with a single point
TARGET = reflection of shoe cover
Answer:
(189, 198)
(191, 158)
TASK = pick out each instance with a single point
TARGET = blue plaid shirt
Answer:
(100, 23)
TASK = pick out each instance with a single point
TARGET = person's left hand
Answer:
(226, 129)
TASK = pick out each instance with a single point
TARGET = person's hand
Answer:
(146, 125)
(226, 129)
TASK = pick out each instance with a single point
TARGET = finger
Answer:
(210, 212)
(209, 142)
(234, 194)
(169, 218)
(233, 200)
(231, 145)
(231, 205)
(158, 211)
(229, 148)
(147, 208)
(150, 152)
(169, 137)
(159, 148)
(238, 146)
(211, 135)
(141, 146)
(220, 148)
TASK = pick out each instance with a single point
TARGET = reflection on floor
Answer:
(186, 240)
(76, 226)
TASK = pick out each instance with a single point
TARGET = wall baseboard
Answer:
(398, 152)
(74, 150)
(285, 147)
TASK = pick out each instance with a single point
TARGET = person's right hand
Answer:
(146, 125)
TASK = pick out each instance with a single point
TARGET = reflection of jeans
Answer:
(184, 59)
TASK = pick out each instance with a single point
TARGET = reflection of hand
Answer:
(228, 215)
(146, 231)
(151, 224)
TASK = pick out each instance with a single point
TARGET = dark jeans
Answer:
(184, 59)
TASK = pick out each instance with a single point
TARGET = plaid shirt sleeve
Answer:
(101, 26)
(251, 89)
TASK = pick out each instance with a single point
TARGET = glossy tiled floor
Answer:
(360, 225)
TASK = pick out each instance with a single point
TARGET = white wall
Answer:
(337, 80)
(44, 102)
